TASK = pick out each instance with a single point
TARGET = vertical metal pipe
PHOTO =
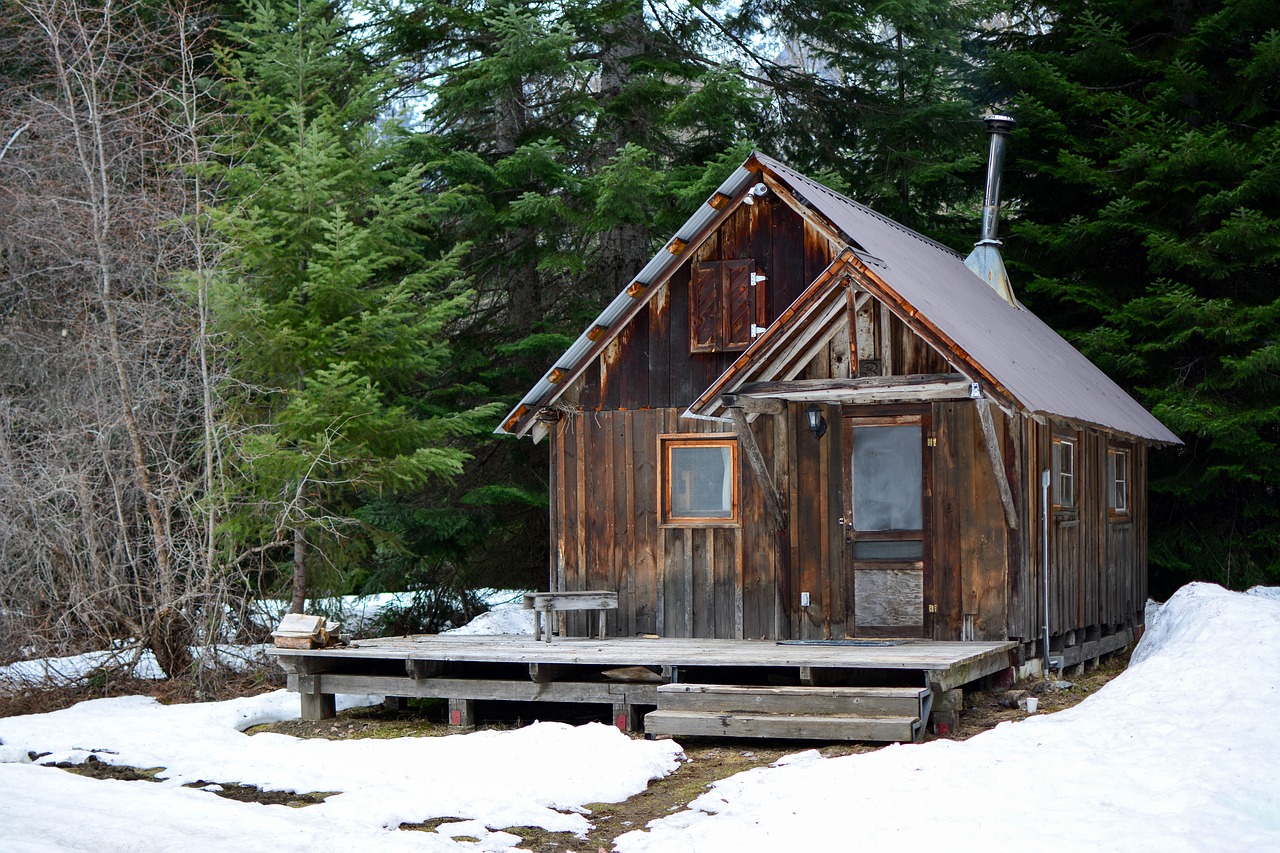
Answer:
(1045, 479)
(998, 128)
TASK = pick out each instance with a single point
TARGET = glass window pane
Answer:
(910, 550)
(701, 482)
(887, 471)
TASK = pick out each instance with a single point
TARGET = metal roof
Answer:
(1029, 362)
(1037, 368)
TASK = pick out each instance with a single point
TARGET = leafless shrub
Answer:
(109, 413)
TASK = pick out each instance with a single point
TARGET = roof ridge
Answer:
(861, 207)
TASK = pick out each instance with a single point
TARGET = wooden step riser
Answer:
(811, 705)
(795, 727)
(856, 701)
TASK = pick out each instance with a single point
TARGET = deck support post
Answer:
(395, 704)
(626, 717)
(944, 716)
(315, 704)
(462, 713)
(541, 673)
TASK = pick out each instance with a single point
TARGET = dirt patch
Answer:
(254, 794)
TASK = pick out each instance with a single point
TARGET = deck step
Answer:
(789, 726)
(811, 701)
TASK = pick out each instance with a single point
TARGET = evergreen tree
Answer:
(1147, 177)
(337, 315)
(565, 141)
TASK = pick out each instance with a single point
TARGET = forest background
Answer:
(271, 271)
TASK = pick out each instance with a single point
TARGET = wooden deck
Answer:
(464, 669)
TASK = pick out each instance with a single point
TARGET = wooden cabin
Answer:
(804, 421)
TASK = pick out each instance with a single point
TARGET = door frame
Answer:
(852, 417)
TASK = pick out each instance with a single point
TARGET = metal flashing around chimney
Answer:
(985, 259)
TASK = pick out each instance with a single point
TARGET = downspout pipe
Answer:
(1045, 480)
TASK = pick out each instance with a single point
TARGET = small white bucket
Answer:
(1032, 704)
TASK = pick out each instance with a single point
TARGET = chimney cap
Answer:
(1000, 123)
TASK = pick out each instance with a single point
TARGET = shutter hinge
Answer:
(756, 278)
(757, 331)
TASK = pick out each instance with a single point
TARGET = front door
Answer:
(886, 519)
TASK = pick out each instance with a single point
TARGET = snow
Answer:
(502, 619)
(540, 775)
(1177, 753)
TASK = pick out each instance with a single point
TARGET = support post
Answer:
(315, 704)
(462, 713)
(626, 717)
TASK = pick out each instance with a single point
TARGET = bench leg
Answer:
(602, 615)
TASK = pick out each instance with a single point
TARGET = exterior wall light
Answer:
(817, 423)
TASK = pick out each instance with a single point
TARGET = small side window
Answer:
(1064, 473)
(700, 482)
(1118, 477)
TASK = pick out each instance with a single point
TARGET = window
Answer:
(1118, 476)
(1064, 473)
(726, 305)
(701, 481)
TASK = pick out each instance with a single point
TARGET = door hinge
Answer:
(933, 608)
(933, 441)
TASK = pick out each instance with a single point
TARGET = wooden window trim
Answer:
(1119, 461)
(666, 442)
(1071, 508)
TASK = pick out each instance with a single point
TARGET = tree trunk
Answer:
(299, 571)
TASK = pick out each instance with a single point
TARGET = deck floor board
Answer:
(624, 651)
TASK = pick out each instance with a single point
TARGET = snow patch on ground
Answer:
(1177, 753)
(540, 775)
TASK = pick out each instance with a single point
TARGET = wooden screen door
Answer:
(885, 522)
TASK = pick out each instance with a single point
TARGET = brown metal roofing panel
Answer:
(1043, 372)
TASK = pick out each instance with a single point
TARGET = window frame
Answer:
(1119, 473)
(1072, 444)
(666, 443)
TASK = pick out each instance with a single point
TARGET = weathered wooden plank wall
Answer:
(970, 538)
(650, 364)
(718, 581)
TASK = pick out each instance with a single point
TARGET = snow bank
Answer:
(540, 775)
(502, 619)
(1178, 753)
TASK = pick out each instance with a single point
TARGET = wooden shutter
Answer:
(739, 304)
(704, 307)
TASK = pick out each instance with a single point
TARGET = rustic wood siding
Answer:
(970, 536)
(650, 364)
(671, 580)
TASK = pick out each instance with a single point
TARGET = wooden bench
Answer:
(544, 604)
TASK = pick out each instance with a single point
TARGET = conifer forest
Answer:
(271, 272)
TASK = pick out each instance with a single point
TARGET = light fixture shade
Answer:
(817, 423)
